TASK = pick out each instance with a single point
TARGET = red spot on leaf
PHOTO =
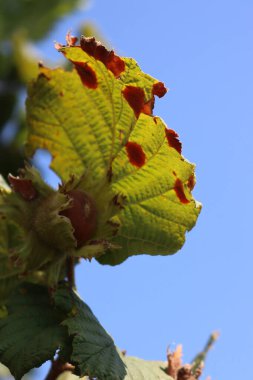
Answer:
(82, 214)
(191, 182)
(23, 186)
(135, 154)
(135, 97)
(95, 49)
(173, 141)
(87, 74)
(179, 189)
(115, 64)
(159, 89)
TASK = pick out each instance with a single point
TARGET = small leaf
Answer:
(31, 333)
(93, 350)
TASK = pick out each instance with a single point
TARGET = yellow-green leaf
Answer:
(97, 122)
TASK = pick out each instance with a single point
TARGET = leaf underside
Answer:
(98, 121)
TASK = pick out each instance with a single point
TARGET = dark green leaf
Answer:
(94, 353)
(31, 333)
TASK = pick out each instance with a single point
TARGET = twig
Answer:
(57, 367)
(200, 358)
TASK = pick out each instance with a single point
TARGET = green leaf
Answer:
(37, 324)
(31, 333)
(97, 123)
(93, 350)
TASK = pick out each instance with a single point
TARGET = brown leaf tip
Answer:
(173, 140)
(159, 89)
(179, 371)
(71, 40)
(95, 49)
(135, 154)
(86, 74)
(174, 361)
(179, 189)
(23, 186)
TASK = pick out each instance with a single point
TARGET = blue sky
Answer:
(203, 51)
